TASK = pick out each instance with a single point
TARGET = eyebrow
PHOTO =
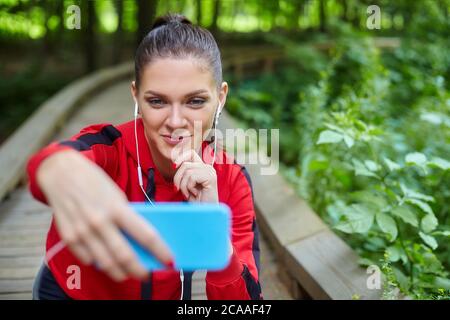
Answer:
(187, 95)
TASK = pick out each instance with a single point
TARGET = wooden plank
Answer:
(27, 251)
(22, 240)
(16, 285)
(327, 268)
(23, 227)
(199, 297)
(16, 296)
(198, 287)
(30, 261)
(23, 231)
(19, 273)
(12, 219)
(24, 204)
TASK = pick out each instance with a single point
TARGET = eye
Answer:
(155, 102)
(196, 102)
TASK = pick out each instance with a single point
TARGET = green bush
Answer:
(364, 139)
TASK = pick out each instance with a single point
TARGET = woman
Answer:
(89, 180)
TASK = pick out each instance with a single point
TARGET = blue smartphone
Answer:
(197, 234)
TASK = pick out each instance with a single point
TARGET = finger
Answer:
(193, 185)
(189, 155)
(71, 239)
(197, 198)
(182, 171)
(71, 232)
(121, 252)
(103, 259)
(183, 185)
(143, 232)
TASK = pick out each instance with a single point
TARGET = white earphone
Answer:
(216, 121)
(139, 170)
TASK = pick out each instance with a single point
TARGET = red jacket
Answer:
(114, 150)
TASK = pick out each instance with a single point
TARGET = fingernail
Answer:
(174, 165)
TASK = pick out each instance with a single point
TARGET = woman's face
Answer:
(175, 97)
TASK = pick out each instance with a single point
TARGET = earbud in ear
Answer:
(217, 115)
(136, 109)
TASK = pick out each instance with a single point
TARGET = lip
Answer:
(176, 141)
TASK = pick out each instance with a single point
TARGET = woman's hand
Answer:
(90, 210)
(195, 179)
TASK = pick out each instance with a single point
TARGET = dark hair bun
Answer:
(170, 18)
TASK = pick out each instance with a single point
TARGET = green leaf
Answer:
(429, 240)
(345, 227)
(392, 166)
(393, 253)
(406, 215)
(387, 225)
(365, 262)
(402, 279)
(444, 233)
(334, 128)
(318, 165)
(416, 195)
(416, 158)
(371, 165)
(359, 220)
(422, 205)
(361, 170)
(429, 223)
(440, 282)
(439, 163)
(349, 141)
(329, 136)
(369, 197)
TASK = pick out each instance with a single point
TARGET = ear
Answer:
(134, 94)
(223, 95)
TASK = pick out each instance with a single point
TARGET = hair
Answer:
(174, 36)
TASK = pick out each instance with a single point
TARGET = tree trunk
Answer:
(60, 10)
(216, 13)
(344, 5)
(118, 36)
(145, 15)
(199, 11)
(322, 16)
(47, 45)
(89, 37)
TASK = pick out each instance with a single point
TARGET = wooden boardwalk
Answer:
(24, 221)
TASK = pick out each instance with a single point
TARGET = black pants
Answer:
(46, 288)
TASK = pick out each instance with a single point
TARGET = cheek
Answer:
(153, 121)
(204, 123)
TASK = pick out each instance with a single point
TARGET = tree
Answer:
(322, 16)
(145, 15)
(118, 36)
(198, 5)
(89, 36)
(216, 13)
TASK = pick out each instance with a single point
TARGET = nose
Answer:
(176, 119)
